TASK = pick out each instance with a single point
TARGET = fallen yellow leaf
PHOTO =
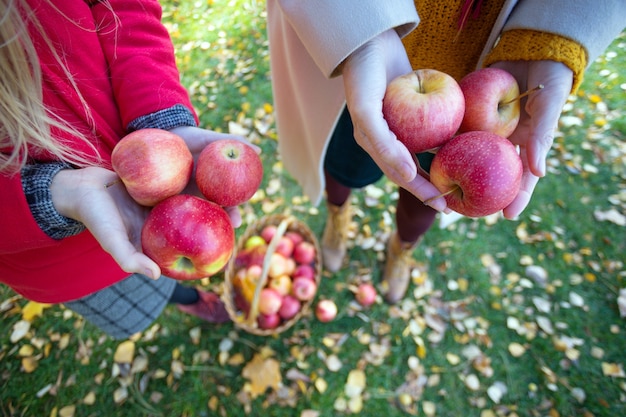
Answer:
(263, 373)
(29, 364)
(67, 411)
(125, 352)
(613, 369)
(33, 309)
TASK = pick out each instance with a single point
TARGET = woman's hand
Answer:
(540, 112)
(366, 74)
(196, 139)
(108, 212)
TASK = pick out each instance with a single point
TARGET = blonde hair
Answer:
(25, 123)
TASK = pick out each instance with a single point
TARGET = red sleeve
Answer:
(19, 229)
(141, 58)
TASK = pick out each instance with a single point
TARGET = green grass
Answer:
(222, 54)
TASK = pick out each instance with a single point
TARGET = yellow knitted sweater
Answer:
(439, 44)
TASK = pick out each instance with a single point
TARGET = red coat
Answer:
(124, 70)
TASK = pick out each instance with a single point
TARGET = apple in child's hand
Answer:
(491, 101)
(228, 172)
(153, 164)
(424, 108)
(188, 237)
(479, 173)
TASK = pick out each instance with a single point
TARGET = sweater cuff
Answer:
(530, 45)
(36, 181)
(166, 119)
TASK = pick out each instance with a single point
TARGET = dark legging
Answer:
(183, 295)
(413, 218)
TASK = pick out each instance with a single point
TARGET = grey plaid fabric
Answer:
(36, 181)
(177, 115)
(127, 307)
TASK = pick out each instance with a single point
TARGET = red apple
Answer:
(278, 265)
(268, 232)
(268, 321)
(304, 252)
(284, 246)
(294, 236)
(481, 171)
(326, 310)
(303, 289)
(365, 294)
(228, 172)
(251, 256)
(253, 272)
(269, 301)
(490, 101)
(153, 164)
(290, 266)
(424, 108)
(188, 237)
(281, 284)
(304, 270)
(290, 307)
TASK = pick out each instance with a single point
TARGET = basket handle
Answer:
(271, 248)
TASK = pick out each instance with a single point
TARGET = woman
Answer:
(76, 77)
(327, 54)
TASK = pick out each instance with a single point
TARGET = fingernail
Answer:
(149, 273)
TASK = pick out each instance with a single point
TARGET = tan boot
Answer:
(397, 273)
(335, 235)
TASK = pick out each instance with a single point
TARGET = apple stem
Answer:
(112, 183)
(271, 248)
(450, 191)
(524, 94)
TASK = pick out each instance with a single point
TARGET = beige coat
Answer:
(310, 38)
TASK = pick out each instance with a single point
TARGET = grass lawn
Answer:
(503, 318)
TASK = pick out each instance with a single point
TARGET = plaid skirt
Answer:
(126, 307)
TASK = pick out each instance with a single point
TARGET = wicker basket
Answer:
(248, 322)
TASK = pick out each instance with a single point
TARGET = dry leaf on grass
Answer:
(33, 309)
(263, 373)
(125, 352)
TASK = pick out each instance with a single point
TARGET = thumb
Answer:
(139, 263)
(544, 109)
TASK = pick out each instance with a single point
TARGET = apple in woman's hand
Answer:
(479, 173)
(423, 108)
(491, 101)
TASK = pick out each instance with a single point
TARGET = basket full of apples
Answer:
(272, 278)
